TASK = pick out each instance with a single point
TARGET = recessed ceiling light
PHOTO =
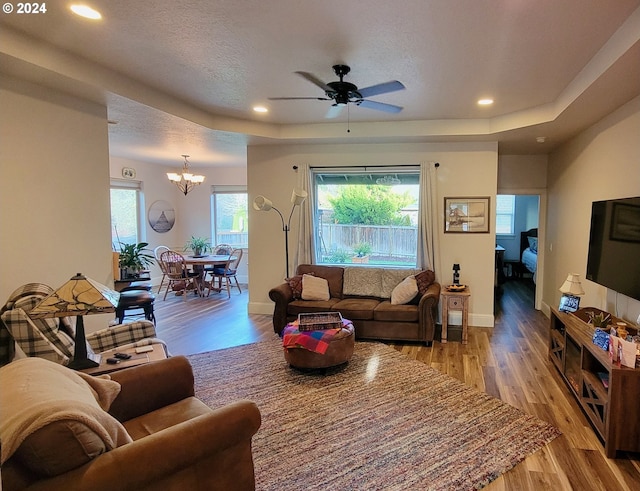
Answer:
(260, 109)
(485, 102)
(86, 12)
(541, 139)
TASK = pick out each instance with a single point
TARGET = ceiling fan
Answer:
(343, 93)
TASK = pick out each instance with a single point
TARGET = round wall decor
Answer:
(162, 216)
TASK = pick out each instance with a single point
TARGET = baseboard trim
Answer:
(482, 320)
(260, 308)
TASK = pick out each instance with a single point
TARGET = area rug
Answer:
(382, 422)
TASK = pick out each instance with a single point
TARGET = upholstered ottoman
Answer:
(136, 299)
(318, 349)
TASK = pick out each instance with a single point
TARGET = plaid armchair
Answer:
(53, 339)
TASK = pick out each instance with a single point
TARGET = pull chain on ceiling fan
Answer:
(342, 93)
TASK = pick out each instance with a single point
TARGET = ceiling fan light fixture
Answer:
(343, 93)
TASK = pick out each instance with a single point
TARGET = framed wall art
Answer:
(467, 215)
(162, 216)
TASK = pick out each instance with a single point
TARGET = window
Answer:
(229, 212)
(505, 214)
(125, 213)
(366, 215)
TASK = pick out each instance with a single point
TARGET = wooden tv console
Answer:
(614, 412)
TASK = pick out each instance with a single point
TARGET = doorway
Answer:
(518, 232)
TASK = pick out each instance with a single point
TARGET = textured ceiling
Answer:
(182, 76)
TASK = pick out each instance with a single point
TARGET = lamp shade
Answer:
(572, 285)
(78, 296)
(298, 196)
(262, 204)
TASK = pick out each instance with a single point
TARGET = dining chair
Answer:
(222, 250)
(217, 250)
(226, 273)
(179, 276)
(157, 252)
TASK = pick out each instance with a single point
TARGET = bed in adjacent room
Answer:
(529, 251)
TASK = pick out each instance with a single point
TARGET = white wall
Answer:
(466, 169)
(522, 174)
(601, 163)
(54, 191)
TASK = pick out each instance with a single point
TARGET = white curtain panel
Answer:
(428, 243)
(303, 253)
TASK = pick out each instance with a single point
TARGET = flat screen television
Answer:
(614, 245)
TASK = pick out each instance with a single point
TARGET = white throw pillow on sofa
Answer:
(405, 291)
(314, 288)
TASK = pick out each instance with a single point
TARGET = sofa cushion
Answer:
(391, 277)
(295, 283)
(58, 417)
(425, 279)
(356, 308)
(405, 291)
(165, 417)
(333, 275)
(314, 288)
(365, 282)
(303, 306)
(387, 312)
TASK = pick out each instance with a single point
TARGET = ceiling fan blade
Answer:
(379, 106)
(334, 111)
(299, 99)
(315, 80)
(381, 88)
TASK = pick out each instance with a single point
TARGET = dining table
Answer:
(199, 263)
(208, 260)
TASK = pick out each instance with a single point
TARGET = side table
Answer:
(157, 353)
(457, 301)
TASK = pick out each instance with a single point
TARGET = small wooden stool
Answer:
(455, 301)
(136, 299)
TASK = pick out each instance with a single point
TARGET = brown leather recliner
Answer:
(177, 441)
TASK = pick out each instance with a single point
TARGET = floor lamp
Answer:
(264, 204)
(78, 297)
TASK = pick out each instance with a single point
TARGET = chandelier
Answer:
(185, 181)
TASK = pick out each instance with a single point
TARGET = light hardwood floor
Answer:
(508, 361)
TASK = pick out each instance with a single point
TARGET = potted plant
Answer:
(199, 245)
(361, 251)
(133, 258)
(337, 256)
(600, 320)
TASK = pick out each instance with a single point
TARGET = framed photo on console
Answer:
(569, 303)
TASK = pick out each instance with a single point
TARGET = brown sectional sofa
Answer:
(362, 295)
